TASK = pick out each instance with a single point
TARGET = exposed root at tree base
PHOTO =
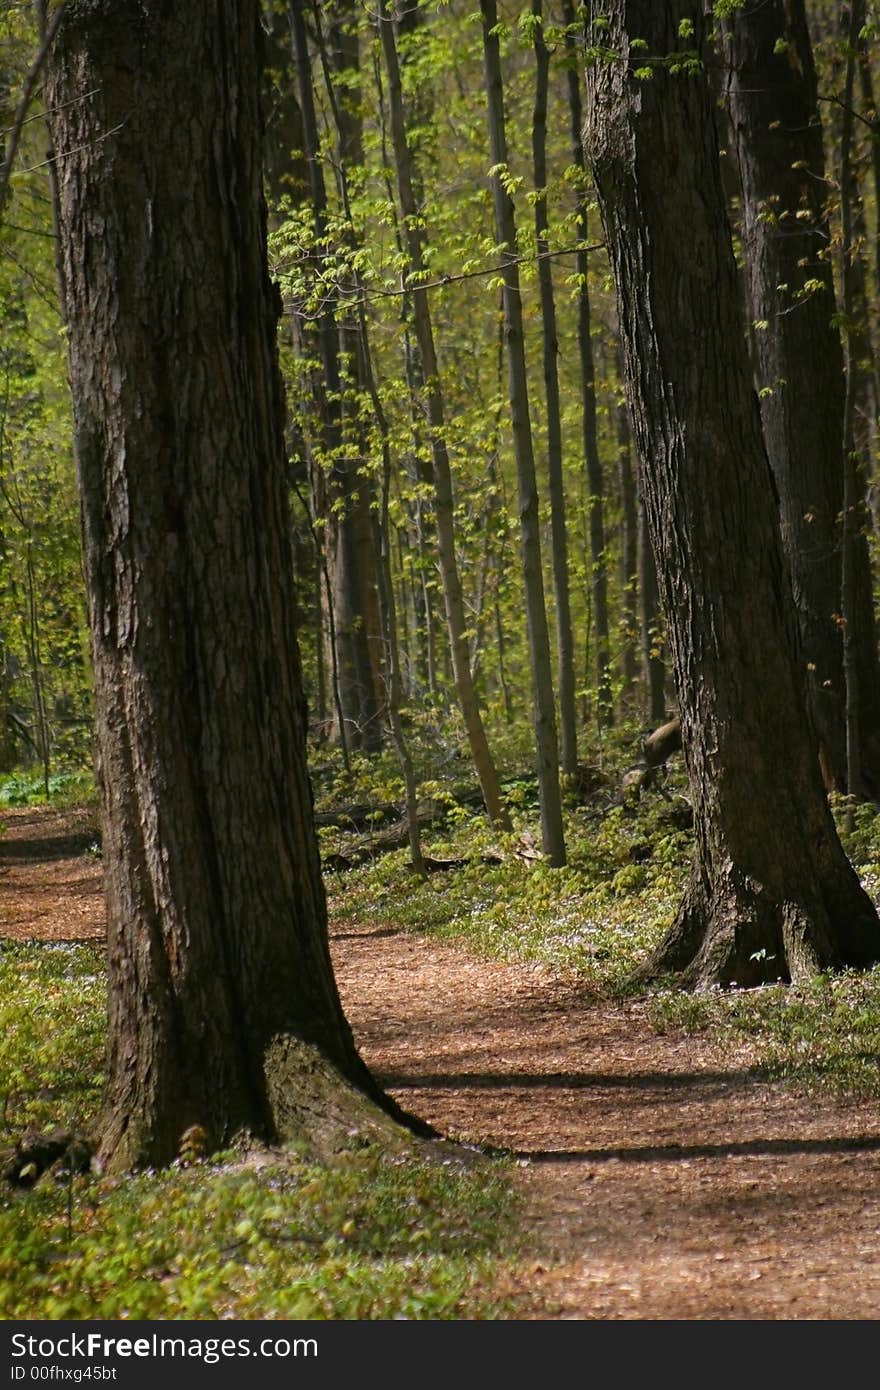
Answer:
(742, 934)
(314, 1107)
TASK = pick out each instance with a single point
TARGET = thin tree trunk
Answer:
(629, 549)
(650, 618)
(421, 478)
(556, 487)
(862, 327)
(441, 469)
(592, 459)
(31, 626)
(394, 694)
(348, 544)
(848, 612)
(546, 747)
(871, 113)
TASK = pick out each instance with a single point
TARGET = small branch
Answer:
(361, 294)
(65, 154)
(476, 274)
(873, 126)
(41, 115)
(23, 105)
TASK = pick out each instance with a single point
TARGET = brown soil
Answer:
(661, 1179)
(50, 883)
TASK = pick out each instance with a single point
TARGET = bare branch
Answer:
(24, 103)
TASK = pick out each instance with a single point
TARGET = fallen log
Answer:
(657, 749)
(35, 1153)
(360, 816)
(662, 743)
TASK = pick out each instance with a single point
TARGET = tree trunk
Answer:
(442, 473)
(546, 746)
(772, 894)
(348, 496)
(871, 113)
(851, 517)
(629, 550)
(589, 412)
(774, 119)
(555, 481)
(650, 621)
(223, 1010)
(861, 326)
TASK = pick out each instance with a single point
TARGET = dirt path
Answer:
(662, 1180)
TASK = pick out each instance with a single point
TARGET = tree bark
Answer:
(223, 1010)
(347, 494)
(546, 746)
(589, 412)
(774, 119)
(772, 894)
(555, 481)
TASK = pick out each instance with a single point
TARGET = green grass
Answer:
(822, 1035)
(597, 917)
(600, 917)
(29, 789)
(52, 1035)
(367, 1237)
(370, 1236)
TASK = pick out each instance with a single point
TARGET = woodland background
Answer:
(419, 621)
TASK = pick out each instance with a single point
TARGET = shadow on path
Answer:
(571, 1081)
(45, 851)
(661, 1153)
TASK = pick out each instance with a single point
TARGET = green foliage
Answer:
(822, 1035)
(242, 1235)
(367, 1237)
(52, 1034)
(29, 789)
(598, 917)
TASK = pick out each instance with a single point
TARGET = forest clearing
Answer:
(439, 662)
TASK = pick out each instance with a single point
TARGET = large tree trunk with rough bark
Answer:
(223, 1008)
(773, 111)
(772, 894)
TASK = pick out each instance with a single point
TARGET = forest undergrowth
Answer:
(252, 1233)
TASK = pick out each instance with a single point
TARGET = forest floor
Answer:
(662, 1177)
